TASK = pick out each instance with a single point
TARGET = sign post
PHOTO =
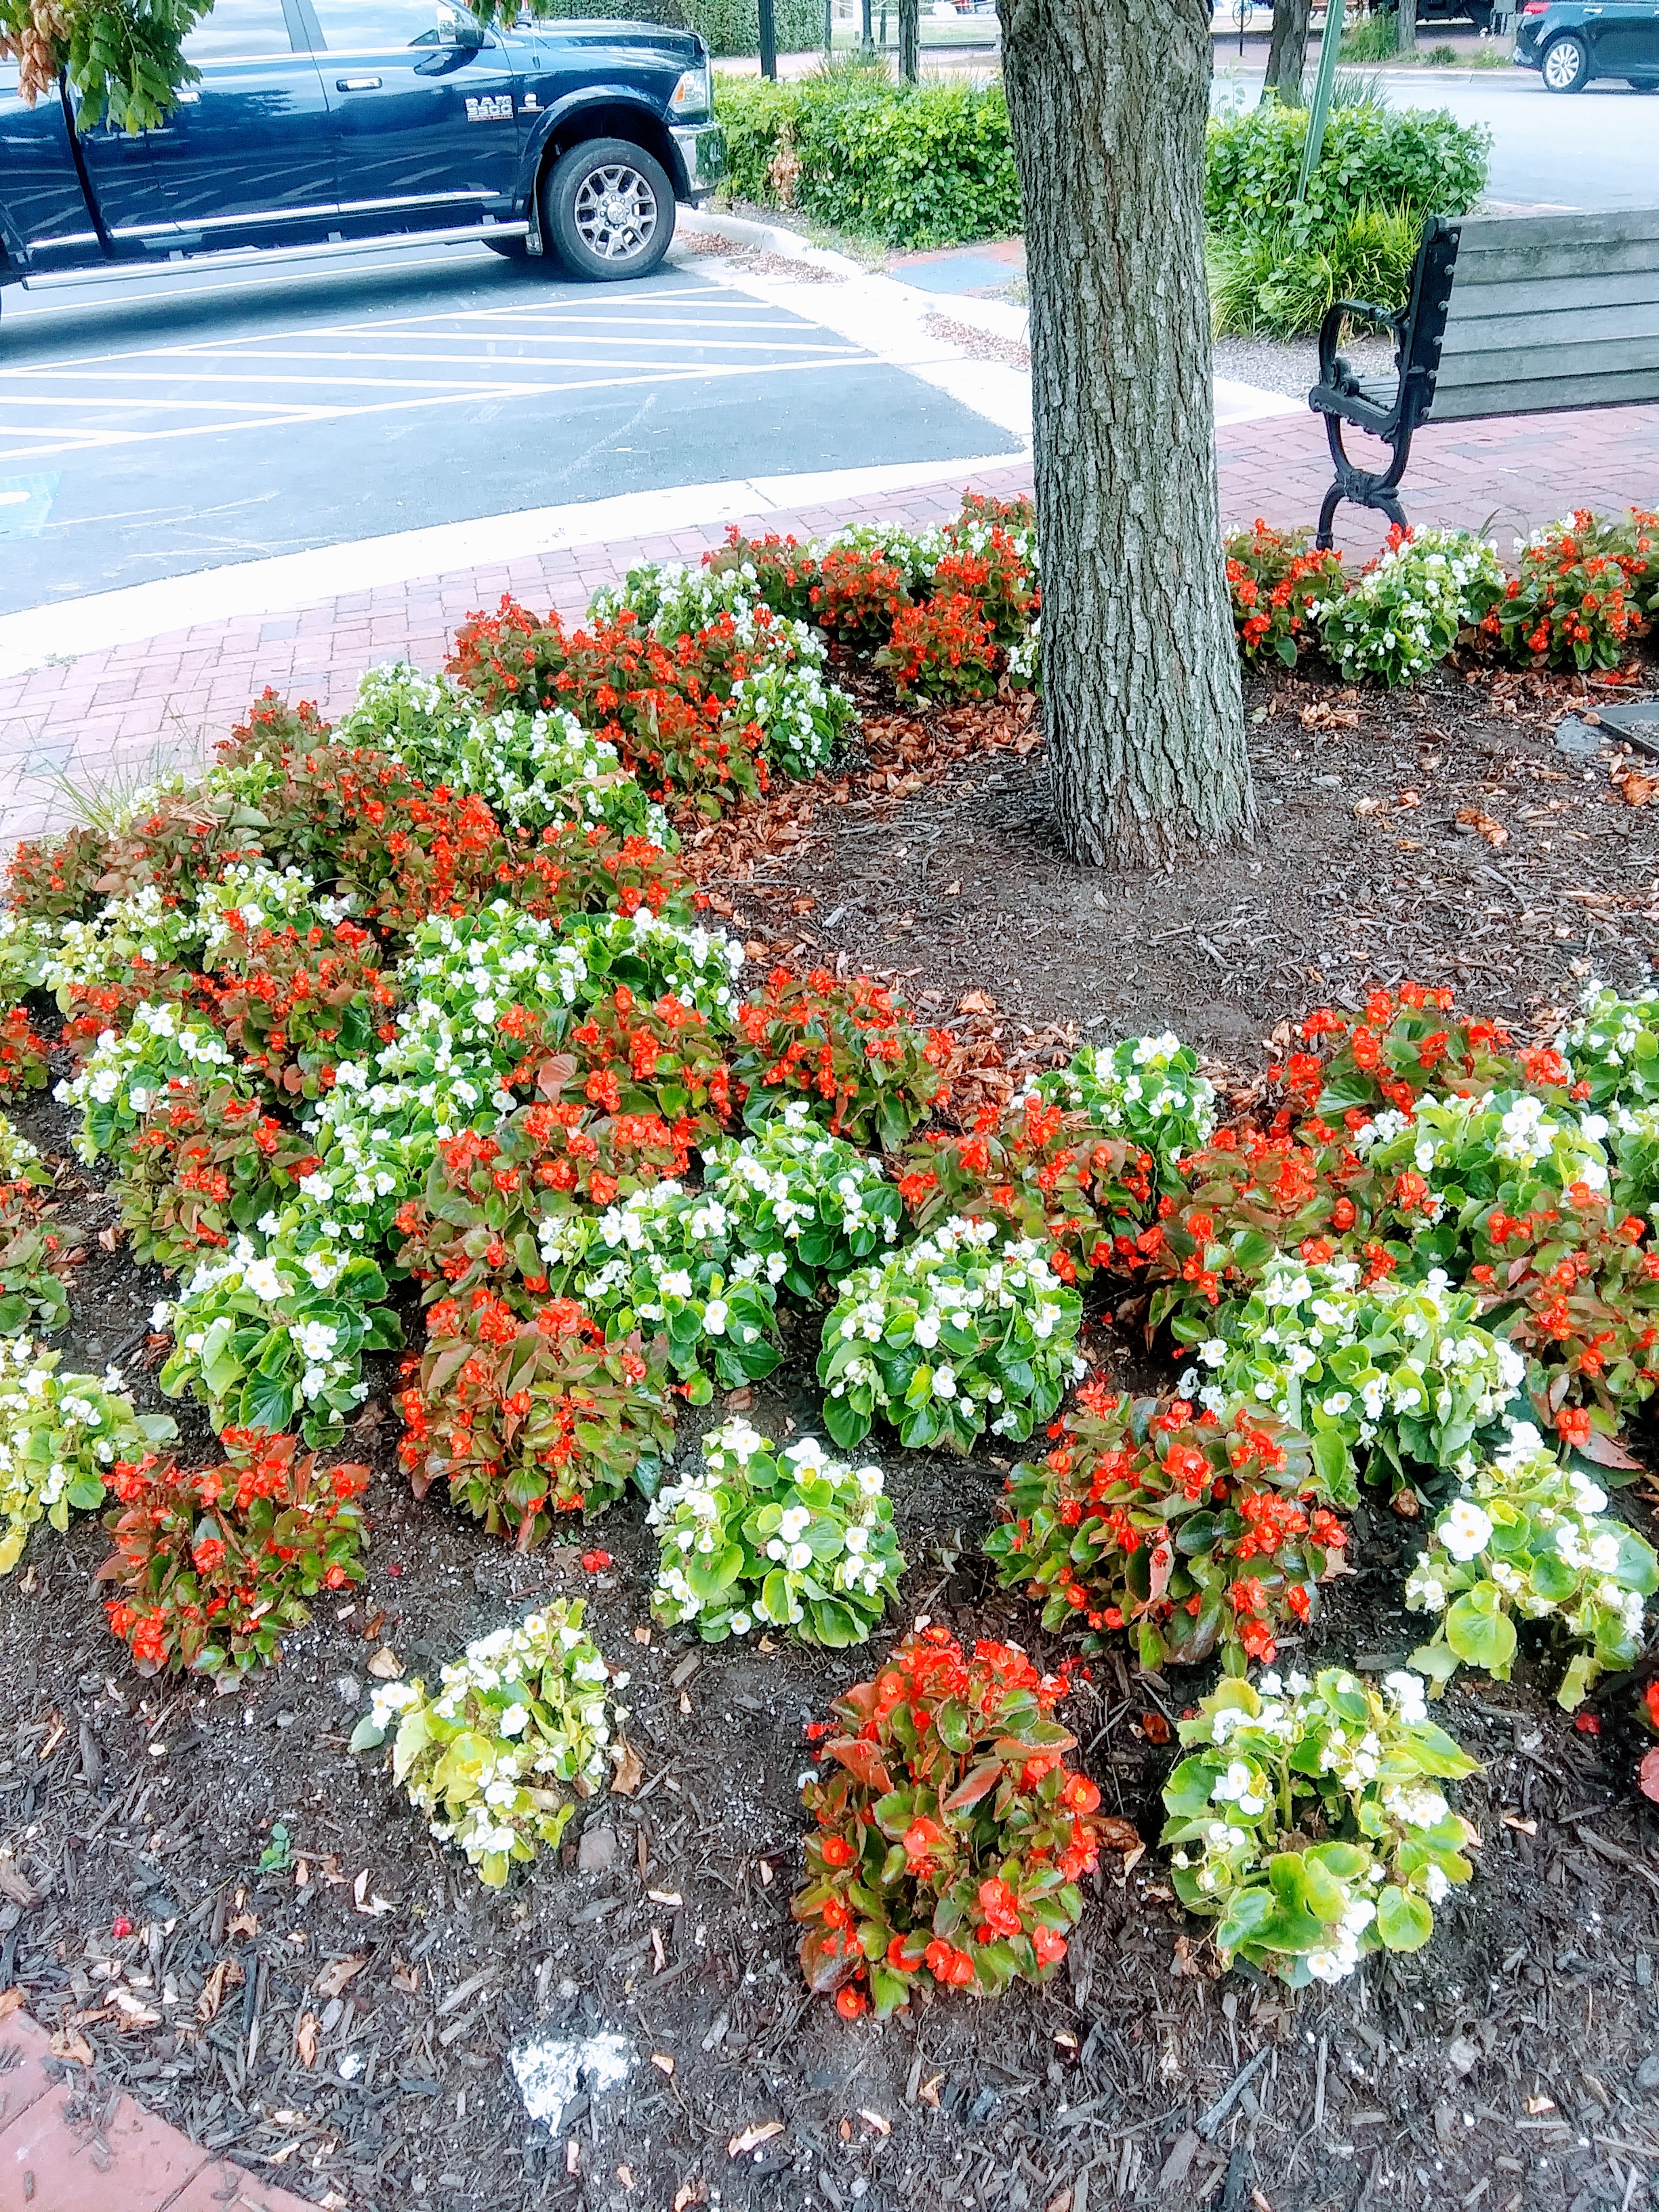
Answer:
(768, 37)
(1320, 106)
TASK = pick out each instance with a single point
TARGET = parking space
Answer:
(155, 427)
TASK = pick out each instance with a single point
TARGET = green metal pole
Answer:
(1320, 106)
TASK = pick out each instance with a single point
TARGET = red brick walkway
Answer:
(170, 697)
(66, 2147)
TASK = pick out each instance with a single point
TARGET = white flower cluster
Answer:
(19, 1160)
(1613, 1045)
(115, 1088)
(665, 1257)
(268, 1280)
(803, 719)
(1530, 1537)
(24, 947)
(520, 1727)
(1147, 1089)
(1404, 612)
(200, 932)
(961, 1327)
(1370, 1754)
(59, 1437)
(1402, 1363)
(810, 1205)
(462, 975)
(789, 1539)
(1458, 1141)
(535, 771)
(654, 957)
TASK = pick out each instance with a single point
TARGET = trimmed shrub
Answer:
(907, 165)
(1373, 158)
(731, 27)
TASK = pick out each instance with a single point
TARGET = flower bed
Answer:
(538, 1102)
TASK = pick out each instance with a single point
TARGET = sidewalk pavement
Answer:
(131, 709)
(68, 2145)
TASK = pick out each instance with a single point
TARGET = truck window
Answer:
(357, 25)
(237, 28)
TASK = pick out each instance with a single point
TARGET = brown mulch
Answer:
(1438, 834)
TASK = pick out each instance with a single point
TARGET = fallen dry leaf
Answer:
(1406, 800)
(1513, 1821)
(10, 2000)
(305, 2038)
(757, 2132)
(386, 1666)
(663, 2063)
(1648, 1775)
(338, 1972)
(1319, 716)
(628, 1769)
(976, 1002)
(1535, 2104)
(225, 1975)
(690, 2193)
(929, 2091)
(70, 2043)
(1635, 789)
(665, 1897)
(243, 1923)
(134, 2012)
(883, 2127)
(1368, 804)
(373, 1906)
(110, 1237)
(1472, 817)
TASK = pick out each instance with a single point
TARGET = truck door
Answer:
(244, 158)
(44, 222)
(423, 104)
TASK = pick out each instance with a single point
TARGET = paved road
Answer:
(172, 424)
(1596, 149)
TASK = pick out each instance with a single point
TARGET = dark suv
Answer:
(1571, 41)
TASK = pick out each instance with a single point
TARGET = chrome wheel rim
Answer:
(1561, 65)
(616, 212)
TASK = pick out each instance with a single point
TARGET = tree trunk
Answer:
(909, 39)
(1287, 53)
(1408, 27)
(1141, 697)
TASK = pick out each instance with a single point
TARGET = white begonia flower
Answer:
(1464, 1530)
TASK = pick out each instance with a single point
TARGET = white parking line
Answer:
(84, 440)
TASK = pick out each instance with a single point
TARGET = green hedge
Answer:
(907, 165)
(1373, 159)
(731, 27)
(933, 164)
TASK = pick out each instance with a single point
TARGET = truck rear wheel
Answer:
(607, 209)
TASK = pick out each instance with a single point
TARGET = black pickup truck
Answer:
(317, 124)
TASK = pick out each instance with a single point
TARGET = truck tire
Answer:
(607, 209)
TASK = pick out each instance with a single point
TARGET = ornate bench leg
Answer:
(1362, 486)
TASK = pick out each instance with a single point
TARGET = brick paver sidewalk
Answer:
(65, 2145)
(169, 697)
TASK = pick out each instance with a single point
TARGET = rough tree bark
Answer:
(1141, 697)
(1287, 51)
(909, 39)
(1408, 27)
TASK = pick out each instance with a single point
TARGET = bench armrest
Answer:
(1331, 366)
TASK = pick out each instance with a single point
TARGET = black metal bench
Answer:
(1507, 315)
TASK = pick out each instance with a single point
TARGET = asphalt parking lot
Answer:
(154, 426)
